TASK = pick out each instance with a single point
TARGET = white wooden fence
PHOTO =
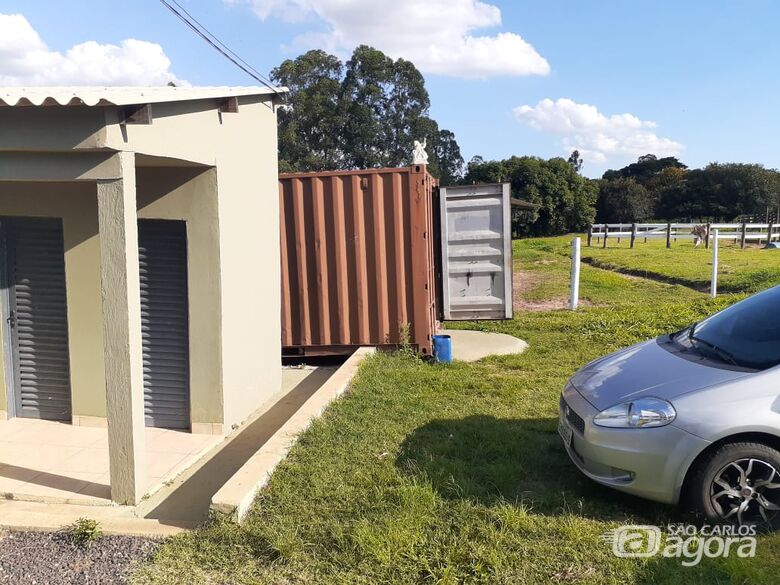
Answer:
(742, 233)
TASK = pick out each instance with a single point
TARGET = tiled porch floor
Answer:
(49, 461)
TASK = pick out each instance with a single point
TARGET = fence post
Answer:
(744, 235)
(707, 236)
(769, 233)
(606, 234)
(668, 235)
(714, 283)
(575, 274)
(633, 234)
(590, 234)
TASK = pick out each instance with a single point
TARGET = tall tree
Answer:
(566, 199)
(310, 124)
(622, 201)
(722, 192)
(575, 160)
(444, 158)
(371, 110)
(645, 168)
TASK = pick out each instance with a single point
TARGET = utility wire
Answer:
(262, 77)
(192, 23)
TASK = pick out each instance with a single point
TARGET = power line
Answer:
(219, 42)
(193, 24)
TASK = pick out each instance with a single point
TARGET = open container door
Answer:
(476, 252)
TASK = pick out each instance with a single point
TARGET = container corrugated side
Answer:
(357, 259)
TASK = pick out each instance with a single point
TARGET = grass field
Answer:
(748, 270)
(455, 474)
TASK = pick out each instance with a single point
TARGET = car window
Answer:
(748, 331)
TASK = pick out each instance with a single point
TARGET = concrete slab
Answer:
(17, 515)
(470, 346)
(51, 462)
(181, 503)
(188, 498)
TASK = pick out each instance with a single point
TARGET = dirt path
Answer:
(525, 282)
(638, 274)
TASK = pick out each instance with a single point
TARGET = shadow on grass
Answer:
(490, 461)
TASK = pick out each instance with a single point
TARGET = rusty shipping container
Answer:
(357, 259)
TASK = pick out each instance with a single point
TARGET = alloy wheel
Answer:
(746, 491)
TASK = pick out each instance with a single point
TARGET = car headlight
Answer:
(637, 414)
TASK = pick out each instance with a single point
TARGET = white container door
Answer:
(476, 242)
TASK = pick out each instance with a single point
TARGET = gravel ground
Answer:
(44, 558)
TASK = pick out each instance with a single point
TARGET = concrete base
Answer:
(59, 463)
(470, 346)
(17, 515)
(183, 501)
(207, 429)
(98, 422)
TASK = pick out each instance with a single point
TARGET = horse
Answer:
(699, 234)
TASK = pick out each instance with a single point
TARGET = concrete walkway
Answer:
(182, 503)
(188, 499)
(470, 346)
(45, 461)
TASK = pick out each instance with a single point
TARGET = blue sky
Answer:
(698, 79)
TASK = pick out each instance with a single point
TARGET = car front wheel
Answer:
(739, 483)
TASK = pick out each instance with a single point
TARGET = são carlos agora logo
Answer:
(686, 542)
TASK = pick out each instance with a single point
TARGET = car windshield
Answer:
(746, 334)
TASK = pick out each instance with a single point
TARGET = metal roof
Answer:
(120, 96)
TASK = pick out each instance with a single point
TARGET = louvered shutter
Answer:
(36, 270)
(165, 322)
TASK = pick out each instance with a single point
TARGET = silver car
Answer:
(691, 416)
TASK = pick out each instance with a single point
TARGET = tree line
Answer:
(368, 111)
(666, 189)
(361, 114)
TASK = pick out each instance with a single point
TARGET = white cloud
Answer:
(436, 35)
(598, 137)
(26, 60)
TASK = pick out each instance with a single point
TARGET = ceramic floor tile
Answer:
(87, 460)
(98, 486)
(177, 445)
(162, 464)
(45, 456)
(12, 477)
(52, 485)
(79, 437)
(27, 430)
(42, 458)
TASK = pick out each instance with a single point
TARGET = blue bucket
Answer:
(442, 349)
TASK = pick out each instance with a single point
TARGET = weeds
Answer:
(84, 532)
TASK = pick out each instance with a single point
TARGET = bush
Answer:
(84, 531)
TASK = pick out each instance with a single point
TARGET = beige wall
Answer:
(234, 286)
(191, 195)
(76, 204)
(52, 129)
(243, 147)
(163, 193)
(251, 294)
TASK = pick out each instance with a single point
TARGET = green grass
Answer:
(455, 474)
(748, 270)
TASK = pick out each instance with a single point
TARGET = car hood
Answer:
(646, 369)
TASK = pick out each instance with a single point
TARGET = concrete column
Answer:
(121, 293)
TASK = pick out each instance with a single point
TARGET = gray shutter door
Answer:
(39, 331)
(162, 247)
(476, 244)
